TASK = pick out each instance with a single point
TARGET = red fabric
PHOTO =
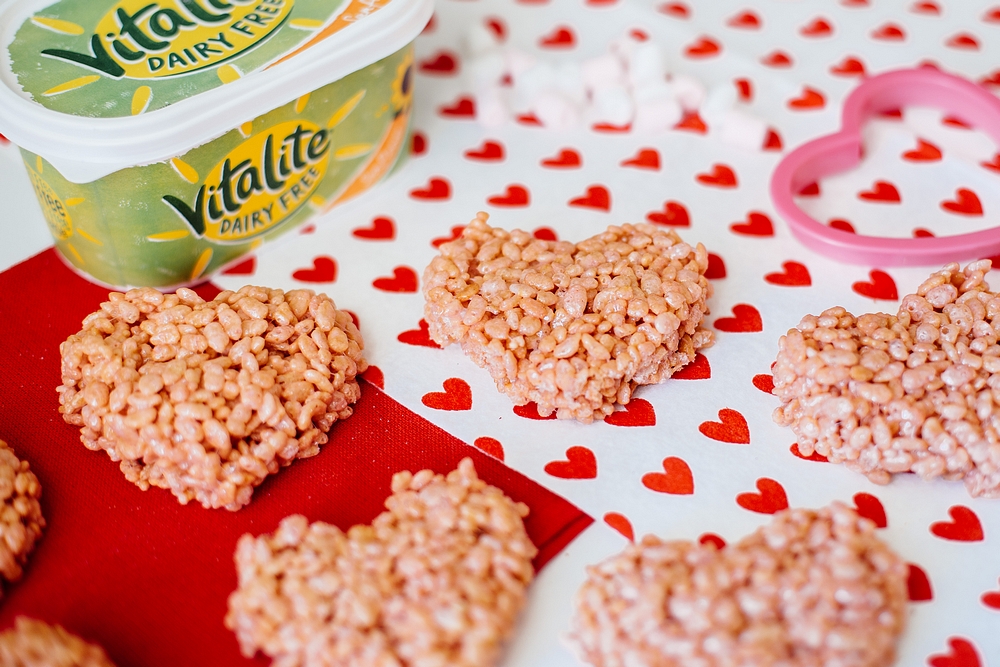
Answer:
(146, 577)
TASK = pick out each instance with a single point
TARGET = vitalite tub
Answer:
(167, 138)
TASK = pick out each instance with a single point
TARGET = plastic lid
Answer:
(95, 86)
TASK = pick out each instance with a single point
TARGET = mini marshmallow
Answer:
(689, 91)
(742, 129)
(480, 40)
(491, 110)
(532, 82)
(569, 82)
(656, 115)
(555, 111)
(612, 105)
(487, 69)
(603, 71)
(718, 103)
(653, 91)
(518, 62)
(645, 64)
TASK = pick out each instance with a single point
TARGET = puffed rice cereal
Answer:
(573, 327)
(437, 580)
(810, 589)
(917, 391)
(33, 643)
(208, 398)
(21, 520)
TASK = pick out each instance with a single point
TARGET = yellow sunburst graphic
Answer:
(72, 85)
(88, 236)
(229, 73)
(184, 170)
(345, 110)
(57, 25)
(201, 264)
(246, 129)
(173, 235)
(306, 24)
(140, 99)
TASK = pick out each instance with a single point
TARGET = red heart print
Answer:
(496, 26)
(699, 369)
(567, 159)
(992, 79)
(374, 376)
(963, 40)
(716, 267)
(854, 3)
(431, 25)
(721, 176)
(842, 225)
(646, 158)
(620, 523)
(404, 279)
(457, 396)
(889, 32)
(849, 66)
(381, 229)
(924, 152)
(732, 427)
(871, 507)
(611, 128)
(882, 191)
(954, 121)
(420, 336)
(963, 527)
(529, 119)
(600, 3)
(962, 654)
(746, 20)
(746, 319)
(881, 286)
(712, 538)
(580, 463)
(4, 140)
(771, 499)
(965, 203)
(925, 8)
(744, 89)
(323, 270)
(811, 190)
(921, 233)
(597, 197)
(692, 122)
(418, 144)
(561, 37)
(308, 229)
(703, 47)
(674, 214)
(676, 478)
(437, 189)
(815, 456)
(777, 59)
(639, 412)
(244, 268)
(530, 411)
(490, 151)
(992, 599)
(773, 141)
(757, 224)
(456, 231)
(764, 382)
(794, 275)
(443, 62)
(676, 9)
(491, 446)
(545, 234)
(818, 27)
(810, 99)
(918, 585)
(992, 15)
(463, 107)
(891, 114)
(994, 165)
(516, 195)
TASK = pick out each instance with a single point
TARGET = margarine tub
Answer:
(167, 138)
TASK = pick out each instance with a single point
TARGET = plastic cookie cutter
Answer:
(841, 151)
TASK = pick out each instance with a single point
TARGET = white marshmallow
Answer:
(656, 115)
(719, 102)
(480, 40)
(532, 82)
(603, 71)
(569, 82)
(611, 105)
(518, 62)
(491, 109)
(555, 111)
(742, 129)
(689, 91)
(653, 91)
(646, 64)
(487, 69)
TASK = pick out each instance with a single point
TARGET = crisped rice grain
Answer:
(33, 643)
(21, 520)
(810, 589)
(573, 327)
(208, 398)
(437, 580)
(915, 392)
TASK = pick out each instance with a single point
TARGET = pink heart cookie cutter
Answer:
(841, 151)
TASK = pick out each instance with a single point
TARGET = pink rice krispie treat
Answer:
(21, 520)
(436, 580)
(912, 392)
(810, 589)
(208, 398)
(573, 327)
(35, 644)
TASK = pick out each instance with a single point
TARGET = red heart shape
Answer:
(918, 585)
(994, 165)
(925, 8)
(620, 523)
(849, 66)
(991, 79)
(889, 32)
(712, 538)
(431, 25)
(374, 376)
(646, 158)
(794, 275)
(418, 144)
(674, 214)
(818, 27)
(810, 99)
(404, 279)
(921, 233)
(639, 412)
(676, 479)
(811, 190)
(381, 229)
(962, 654)
(308, 229)
(722, 176)
(746, 19)
(4, 140)
(490, 151)
(777, 59)
(611, 128)
(746, 320)
(871, 507)
(597, 197)
(580, 463)
(842, 225)
(963, 40)
(773, 141)
(545, 234)
(443, 62)
(530, 411)
(567, 159)
(456, 231)
(324, 270)
(491, 446)
(244, 268)
(463, 107)
(716, 267)
(954, 121)
(965, 203)
(457, 396)
(699, 369)
(991, 599)
(437, 189)
(764, 382)
(757, 224)
(692, 122)
(561, 37)
(963, 527)
(771, 499)
(924, 152)
(854, 3)
(496, 26)
(882, 191)
(732, 427)
(676, 9)
(794, 449)
(882, 286)
(516, 195)
(529, 119)
(744, 89)
(704, 47)
(419, 336)
(600, 3)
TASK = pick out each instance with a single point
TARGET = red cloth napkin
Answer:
(146, 577)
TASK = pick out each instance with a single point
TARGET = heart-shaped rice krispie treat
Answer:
(573, 327)
(810, 589)
(209, 398)
(33, 643)
(913, 392)
(438, 579)
(21, 520)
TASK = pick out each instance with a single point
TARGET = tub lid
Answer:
(98, 85)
